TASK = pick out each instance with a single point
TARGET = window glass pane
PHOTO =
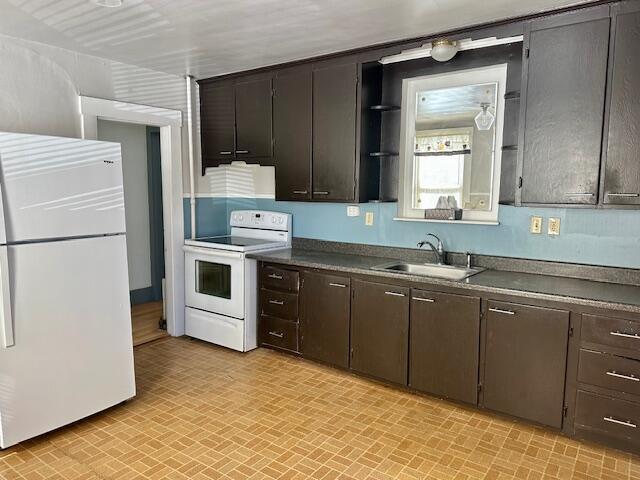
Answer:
(213, 279)
(440, 172)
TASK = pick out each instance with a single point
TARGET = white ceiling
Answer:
(212, 37)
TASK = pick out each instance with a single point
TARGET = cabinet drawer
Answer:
(609, 371)
(278, 333)
(617, 418)
(279, 304)
(275, 278)
(614, 332)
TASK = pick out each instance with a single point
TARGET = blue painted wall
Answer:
(597, 237)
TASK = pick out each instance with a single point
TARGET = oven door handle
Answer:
(213, 252)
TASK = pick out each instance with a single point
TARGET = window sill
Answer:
(463, 222)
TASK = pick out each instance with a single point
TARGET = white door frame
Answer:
(170, 123)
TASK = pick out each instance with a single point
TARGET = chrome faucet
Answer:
(437, 250)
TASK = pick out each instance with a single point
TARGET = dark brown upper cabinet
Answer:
(292, 117)
(253, 119)
(235, 120)
(445, 345)
(380, 331)
(334, 131)
(564, 80)
(217, 123)
(621, 172)
(325, 304)
(525, 361)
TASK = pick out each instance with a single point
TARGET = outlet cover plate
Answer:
(535, 226)
(554, 226)
(368, 219)
(353, 211)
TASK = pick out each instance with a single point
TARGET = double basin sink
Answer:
(447, 272)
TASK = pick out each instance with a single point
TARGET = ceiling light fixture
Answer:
(485, 118)
(426, 50)
(108, 3)
(444, 50)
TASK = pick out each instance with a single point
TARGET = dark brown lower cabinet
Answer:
(525, 361)
(444, 345)
(380, 330)
(324, 319)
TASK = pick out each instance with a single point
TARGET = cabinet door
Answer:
(292, 117)
(380, 330)
(217, 123)
(567, 72)
(253, 120)
(334, 132)
(525, 361)
(444, 345)
(622, 167)
(326, 301)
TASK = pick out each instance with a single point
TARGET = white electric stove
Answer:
(221, 283)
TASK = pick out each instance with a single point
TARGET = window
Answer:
(451, 124)
(439, 163)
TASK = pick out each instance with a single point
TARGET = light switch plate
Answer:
(353, 211)
(368, 218)
(554, 226)
(535, 226)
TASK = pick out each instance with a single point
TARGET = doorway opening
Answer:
(142, 179)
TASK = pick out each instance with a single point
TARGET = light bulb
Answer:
(484, 120)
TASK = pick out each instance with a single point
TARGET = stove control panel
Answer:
(261, 219)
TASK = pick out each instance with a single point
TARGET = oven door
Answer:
(215, 281)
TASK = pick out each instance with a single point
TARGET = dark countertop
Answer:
(545, 287)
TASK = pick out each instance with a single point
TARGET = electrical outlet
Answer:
(554, 226)
(353, 211)
(368, 218)
(535, 225)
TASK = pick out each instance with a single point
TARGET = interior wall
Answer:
(40, 85)
(133, 139)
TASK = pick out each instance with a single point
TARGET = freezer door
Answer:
(54, 187)
(72, 354)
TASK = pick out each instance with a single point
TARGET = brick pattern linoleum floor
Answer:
(203, 412)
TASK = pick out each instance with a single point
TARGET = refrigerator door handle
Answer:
(6, 318)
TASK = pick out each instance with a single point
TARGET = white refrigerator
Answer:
(65, 324)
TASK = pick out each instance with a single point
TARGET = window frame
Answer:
(410, 87)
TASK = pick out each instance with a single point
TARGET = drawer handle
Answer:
(340, 285)
(395, 294)
(635, 336)
(320, 193)
(226, 153)
(620, 422)
(504, 312)
(613, 373)
(276, 334)
(420, 299)
(624, 195)
(300, 192)
(578, 194)
(276, 302)
(275, 277)
(242, 151)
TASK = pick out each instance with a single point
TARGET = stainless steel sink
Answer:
(449, 272)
